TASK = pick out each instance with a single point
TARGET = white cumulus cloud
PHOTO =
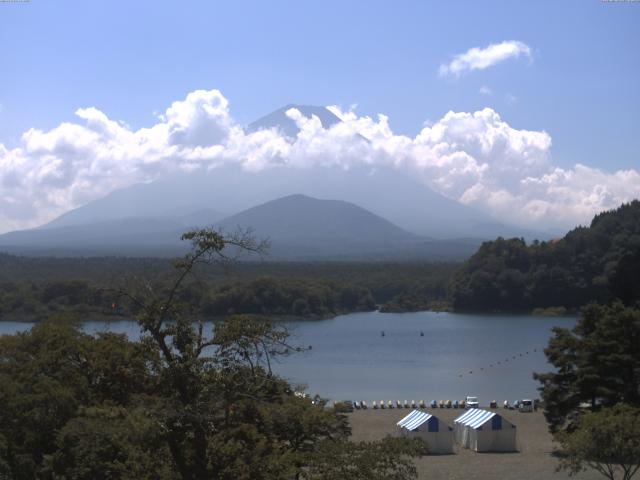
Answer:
(474, 157)
(481, 58)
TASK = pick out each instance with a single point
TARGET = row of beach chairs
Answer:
(406, 404)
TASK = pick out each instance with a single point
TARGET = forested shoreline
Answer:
(305, 291)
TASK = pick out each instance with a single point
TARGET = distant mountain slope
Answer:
(146, 236)
(122, 236)
(385, 192)
(156, 201)
(596, 263)
(278, 119)
(300, 228)
(304, 228)
(301, 217)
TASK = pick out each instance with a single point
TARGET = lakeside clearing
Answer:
(534, 460)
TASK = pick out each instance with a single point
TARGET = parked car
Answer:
(526, 405)
(471, 402)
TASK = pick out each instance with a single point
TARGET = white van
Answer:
(526, 406)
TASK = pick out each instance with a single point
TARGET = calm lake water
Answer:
(350, 359)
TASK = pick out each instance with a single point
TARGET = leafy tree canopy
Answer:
(597, 364)
(596, 263)
(607, 441)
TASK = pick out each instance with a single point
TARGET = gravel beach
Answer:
(533, 460)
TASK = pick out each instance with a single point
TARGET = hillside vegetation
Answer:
(596, 263)
(36, 288)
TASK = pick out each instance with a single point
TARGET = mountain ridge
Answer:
(299, 227)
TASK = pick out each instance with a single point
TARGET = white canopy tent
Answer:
(484, 431)
(437, 434)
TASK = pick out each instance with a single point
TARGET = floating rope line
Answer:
(500, 362)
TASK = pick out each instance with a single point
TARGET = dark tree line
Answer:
(598, 263)
(305, 291)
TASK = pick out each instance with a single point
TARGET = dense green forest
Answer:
(596, 263)
(35, 288)
(183, 402)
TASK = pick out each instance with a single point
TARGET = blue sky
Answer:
(565, 108)
(130, 59)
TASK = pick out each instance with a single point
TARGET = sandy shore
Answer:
(532, 461)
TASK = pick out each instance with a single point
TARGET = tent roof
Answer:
(475, 417)
(414, 420)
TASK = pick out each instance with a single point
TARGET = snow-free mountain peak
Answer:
(302, 217)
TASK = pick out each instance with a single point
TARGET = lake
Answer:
(490, 356)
